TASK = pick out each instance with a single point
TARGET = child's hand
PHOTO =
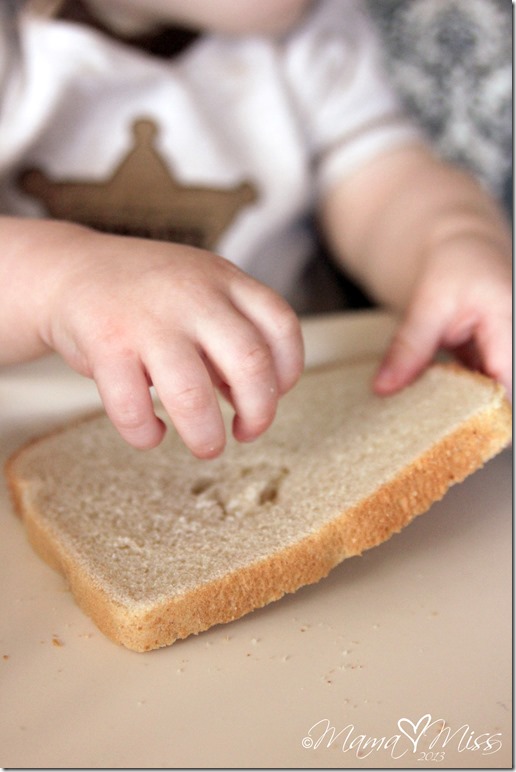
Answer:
(462, 302)
(132, 313)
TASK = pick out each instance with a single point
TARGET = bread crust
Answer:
(387, 511)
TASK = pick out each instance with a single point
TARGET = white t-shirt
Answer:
(227, 145)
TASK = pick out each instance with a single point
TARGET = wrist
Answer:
(477, 221)
(35, 256)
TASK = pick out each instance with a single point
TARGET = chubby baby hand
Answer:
(462, 303)
(138, 313)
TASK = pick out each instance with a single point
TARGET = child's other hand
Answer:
(138, 313)
(462, 303)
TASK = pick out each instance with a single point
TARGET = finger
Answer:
(412, 348)
(494, 345)
(279, 326)
(187, 393)
(124, 389)
(243, 360)
(221, 386)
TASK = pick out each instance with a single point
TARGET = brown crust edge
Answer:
(393, 506)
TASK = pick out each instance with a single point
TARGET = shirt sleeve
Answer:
(11, 75)
(346, 107)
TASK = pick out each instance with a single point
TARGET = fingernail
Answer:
(385, 379)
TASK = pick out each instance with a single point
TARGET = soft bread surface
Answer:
(158, 545)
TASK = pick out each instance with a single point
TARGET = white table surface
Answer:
(393, 646)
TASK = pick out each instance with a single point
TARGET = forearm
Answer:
(427, 241)
(386, 222)
(32, 253)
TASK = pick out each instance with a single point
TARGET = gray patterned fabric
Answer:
(452, 63)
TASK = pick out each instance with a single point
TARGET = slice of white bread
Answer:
(157, 545)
